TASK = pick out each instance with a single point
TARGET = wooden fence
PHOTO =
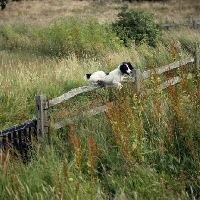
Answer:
(21, 136)
(19, 139)
(194, 24)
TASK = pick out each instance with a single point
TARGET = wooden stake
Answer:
(197, 62)
(42, 121)
(137, 82)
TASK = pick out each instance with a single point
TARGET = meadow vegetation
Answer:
(144, 147)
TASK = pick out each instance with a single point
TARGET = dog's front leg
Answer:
(119, 86)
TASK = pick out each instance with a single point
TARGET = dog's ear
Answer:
(130, 65)
(123, 68)
(88, 76)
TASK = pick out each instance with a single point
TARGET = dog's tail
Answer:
(87, 76)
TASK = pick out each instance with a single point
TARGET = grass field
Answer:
(144, 147)
(44, 11)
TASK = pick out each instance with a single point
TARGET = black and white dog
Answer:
(112, 78)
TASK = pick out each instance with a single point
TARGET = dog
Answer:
(112, 78)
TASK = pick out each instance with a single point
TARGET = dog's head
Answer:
(126, 68)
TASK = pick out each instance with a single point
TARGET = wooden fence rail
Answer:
(20, 136)
(71, 94)
(161, 70)
(194, 24)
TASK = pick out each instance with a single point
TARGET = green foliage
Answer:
(145, 146)
(137, 25)
(60, 38)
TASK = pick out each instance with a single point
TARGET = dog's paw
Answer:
(119, 86)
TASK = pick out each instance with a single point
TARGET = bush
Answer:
(137, 25)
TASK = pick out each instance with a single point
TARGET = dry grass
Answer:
(172, 10)
(45, 11)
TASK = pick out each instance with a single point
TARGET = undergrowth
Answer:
(146, 145)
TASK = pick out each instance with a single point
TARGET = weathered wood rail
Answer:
(194, 24)
(163, 69)
(20, 136)
(71, 94)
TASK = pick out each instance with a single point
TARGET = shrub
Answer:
(137, 25)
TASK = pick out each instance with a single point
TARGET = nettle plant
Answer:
(137, 25)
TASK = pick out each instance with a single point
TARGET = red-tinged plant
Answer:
(92, 155)
(74, 141)
(172, 50)
(65, 170)
(184, 80)
(198, 94)
(127, 129)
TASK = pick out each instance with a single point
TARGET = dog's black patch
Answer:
(123, 68)
(88, 76)
(101, 83)
(129, 65)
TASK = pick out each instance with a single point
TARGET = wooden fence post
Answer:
(197, 63)
(137, 76)
(194, 24)
(42, 121)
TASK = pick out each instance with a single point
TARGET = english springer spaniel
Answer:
(112, 78)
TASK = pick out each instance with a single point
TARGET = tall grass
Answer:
(185, 38)
(60, 38)
(144, 147)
